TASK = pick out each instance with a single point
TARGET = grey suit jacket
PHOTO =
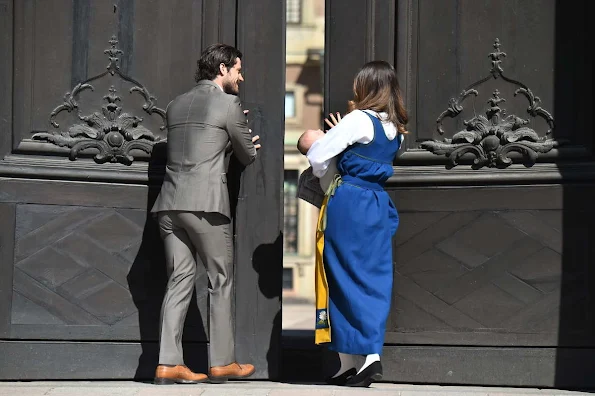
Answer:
(202, 124)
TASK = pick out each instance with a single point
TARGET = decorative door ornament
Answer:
(491, 138)
(112, 132)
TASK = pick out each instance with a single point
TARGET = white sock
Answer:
(347, 363)
(369, 360)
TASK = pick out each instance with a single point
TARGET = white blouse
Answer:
(355, 127)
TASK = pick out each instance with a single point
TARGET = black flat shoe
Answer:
(341, 379)
(370, 374)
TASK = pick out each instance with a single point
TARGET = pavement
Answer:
(296, 316)
(256, 388)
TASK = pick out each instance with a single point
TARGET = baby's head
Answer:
(307, 139)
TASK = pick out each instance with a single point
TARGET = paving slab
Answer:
(258, 388)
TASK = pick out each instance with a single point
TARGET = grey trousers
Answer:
(190, 237)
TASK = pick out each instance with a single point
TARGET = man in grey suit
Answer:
(204, 125)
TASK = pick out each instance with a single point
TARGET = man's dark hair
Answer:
(207, 67)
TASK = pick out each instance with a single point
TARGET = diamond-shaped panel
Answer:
(91, 254)
(75, 266)
(50, 267)
(470, 245)
(114, 232)
(433, 269)
(543, 270)
(31, 217)
(100, 296)
(27, 312)
(489, 305)
(472, 271)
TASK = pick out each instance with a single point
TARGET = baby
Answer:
(304, 143)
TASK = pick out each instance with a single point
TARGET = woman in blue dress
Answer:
(360, 221)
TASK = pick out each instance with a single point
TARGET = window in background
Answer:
(294, 11)
(290, 220)
(304, 98)
(290, 104)
(287, 278)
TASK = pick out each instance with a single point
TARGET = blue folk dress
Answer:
(360, 222)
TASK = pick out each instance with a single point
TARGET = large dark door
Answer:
(493, 260)
(83, 85)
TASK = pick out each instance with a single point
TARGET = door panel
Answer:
(82, 266)
(490, 257)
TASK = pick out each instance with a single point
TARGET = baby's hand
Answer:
(334, 121)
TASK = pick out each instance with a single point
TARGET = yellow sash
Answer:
(322, 332)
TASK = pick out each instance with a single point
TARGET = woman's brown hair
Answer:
(376, 88)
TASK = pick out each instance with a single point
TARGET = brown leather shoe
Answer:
(231, 371)
(165, 375)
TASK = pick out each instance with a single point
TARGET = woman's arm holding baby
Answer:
(343, 134)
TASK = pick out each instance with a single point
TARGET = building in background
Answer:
(303, 110)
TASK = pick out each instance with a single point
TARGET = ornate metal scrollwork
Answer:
(491, 138)
(112, 132)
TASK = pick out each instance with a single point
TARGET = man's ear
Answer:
(223, 69)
